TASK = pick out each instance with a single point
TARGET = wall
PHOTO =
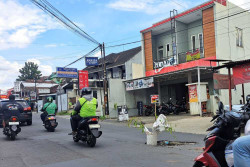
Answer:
(225, 31)
(209, 32)
(134, 68)
(194, 28)
(148, 51)
(182, 36)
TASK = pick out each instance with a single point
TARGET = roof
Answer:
(204, 5)
(232, 64)
(39, 85)
(115, 59)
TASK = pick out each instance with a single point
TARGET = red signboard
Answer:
(154, 98)
(3, 96)
(241, 74)
(83, 79)
(222, 82)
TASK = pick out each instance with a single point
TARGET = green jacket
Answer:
(51, 108)
(85, 107)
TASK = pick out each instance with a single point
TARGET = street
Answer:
(118, 146)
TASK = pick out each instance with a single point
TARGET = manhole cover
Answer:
(174, 143)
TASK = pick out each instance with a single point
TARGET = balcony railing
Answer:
(190, 55)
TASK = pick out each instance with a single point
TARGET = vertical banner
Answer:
(241, 74)
(83, 79)
(193, 96)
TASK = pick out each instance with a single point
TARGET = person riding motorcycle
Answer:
(85, 107)
(11, 108)
(48, 109)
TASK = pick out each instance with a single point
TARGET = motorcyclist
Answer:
(85, 107)
(220, 105)
(48, 109)
(11, 108)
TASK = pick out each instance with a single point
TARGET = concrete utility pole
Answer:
(105, 83)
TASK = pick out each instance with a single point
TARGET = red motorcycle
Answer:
(226, 128)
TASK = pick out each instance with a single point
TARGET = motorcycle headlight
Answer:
(14, 128)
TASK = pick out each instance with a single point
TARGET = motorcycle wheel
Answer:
(13, 136)
(198, 164)
(147, 112)
(51, 129)
(176, 112)
(75, 139)
(91, 141)
(29, 122)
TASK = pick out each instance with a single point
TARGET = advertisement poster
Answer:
(193, 96)
(193, 56)
(140, 84)
(154, 99)
(83, 79)
(241, 74)
(222, 81)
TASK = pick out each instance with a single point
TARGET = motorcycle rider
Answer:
(11, 108)
(220, 105)
(85, 107)
(48, 108)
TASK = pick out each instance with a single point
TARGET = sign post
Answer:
(154, 100)
(83, 79)
(91, 61)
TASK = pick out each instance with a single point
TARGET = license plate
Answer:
(94, 126)
(13, 123)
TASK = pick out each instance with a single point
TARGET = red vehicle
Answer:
(225, 129)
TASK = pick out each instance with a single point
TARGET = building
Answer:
(121, 66)
(178, 51)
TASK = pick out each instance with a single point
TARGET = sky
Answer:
(29, 34)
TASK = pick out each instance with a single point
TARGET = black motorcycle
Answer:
(181, 105)
(164, 109)
(12, 127)
(88, 132)
(150, 110)
(172, 108)
(50, 123)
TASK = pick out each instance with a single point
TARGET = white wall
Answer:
(225, 31)
(134, 68)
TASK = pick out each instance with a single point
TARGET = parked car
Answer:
(25, 115)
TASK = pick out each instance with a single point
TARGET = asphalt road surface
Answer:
(119, 146)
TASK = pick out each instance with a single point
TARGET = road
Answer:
(119, 146)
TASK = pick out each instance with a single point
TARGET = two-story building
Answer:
(178, 50)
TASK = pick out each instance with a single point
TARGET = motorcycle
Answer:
(50, 123)
(150, 110)
(181, 105)
(11, 127)
(225, 129)
(88, 132)
(172, 108)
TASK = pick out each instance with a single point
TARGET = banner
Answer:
(193, 96)
(241, 74)
(83, 79)
(193, 56)
(165, 63)
(140, 84)
(154, 99)
(91, 61)
(62, 72)
(221, 81)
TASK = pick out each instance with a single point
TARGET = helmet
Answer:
(248, 98)
(49, 99)
(12, 97)
(86, 91)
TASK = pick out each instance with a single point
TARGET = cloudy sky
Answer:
(28, 34)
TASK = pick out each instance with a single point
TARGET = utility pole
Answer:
(105, 83)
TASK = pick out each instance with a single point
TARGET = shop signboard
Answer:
(158, 66)
(241, 74)
(83, 79)
(222, 81)
(154, 99)
(193, 96)
(3, 97)
(62, 72)
(91, 61)
(140, 84)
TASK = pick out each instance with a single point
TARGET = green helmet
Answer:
(49, 99)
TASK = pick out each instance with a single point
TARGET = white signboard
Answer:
(158, 66)
(140, 84)
(43, 91)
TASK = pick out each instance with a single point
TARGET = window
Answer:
(239, 37)
(193, 42)
(160, 52)
(200, 37)
(167, 50)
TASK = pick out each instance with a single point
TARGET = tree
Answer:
(29, 71)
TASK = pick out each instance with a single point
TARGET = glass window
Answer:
(239, 37)
(160, 52)
(193, 43)
(167, 50)
(200, 36)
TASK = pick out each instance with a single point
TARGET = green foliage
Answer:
(102, 118)
(115, 106)
(29, 71)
